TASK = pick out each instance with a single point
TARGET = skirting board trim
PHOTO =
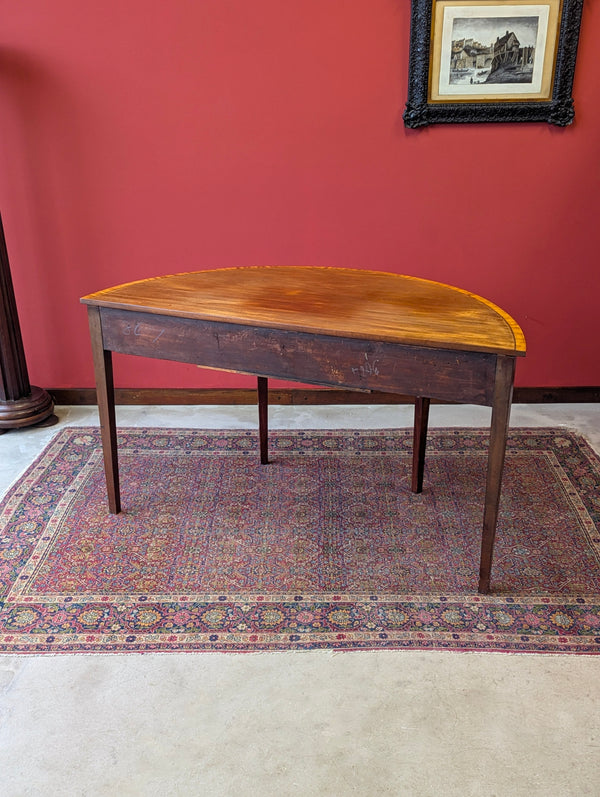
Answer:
(230, 396)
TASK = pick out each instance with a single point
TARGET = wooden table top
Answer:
(352, 303)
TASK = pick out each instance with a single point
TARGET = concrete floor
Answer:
(300, 723)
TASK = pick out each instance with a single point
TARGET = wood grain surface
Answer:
(350, 303)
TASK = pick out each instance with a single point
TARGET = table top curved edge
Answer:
(117, 297)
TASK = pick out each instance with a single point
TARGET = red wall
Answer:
(140, 137)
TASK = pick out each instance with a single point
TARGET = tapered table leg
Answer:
(505, 372)
(419, 443)
(263, 418)
(105, 395)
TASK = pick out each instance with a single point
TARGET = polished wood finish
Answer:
(341, 328)
(21, 404)
(349, 303)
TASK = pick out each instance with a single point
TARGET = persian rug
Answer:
(325, 547)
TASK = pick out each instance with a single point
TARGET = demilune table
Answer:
(335, 327)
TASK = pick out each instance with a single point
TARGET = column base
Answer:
(36, 408)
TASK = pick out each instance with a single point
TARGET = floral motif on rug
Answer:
(325, 547)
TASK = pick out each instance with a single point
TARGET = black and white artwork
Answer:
(495, 50)
(492, 61)
(491, 51)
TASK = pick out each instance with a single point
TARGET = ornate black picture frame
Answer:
(492, 61)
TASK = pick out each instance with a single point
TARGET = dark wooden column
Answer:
(20, 403)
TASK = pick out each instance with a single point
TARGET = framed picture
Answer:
(492, 61)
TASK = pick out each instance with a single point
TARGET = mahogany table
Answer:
(335, 327)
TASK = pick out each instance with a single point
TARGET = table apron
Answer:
(328, 360)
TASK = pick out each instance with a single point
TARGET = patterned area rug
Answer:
(326, 547)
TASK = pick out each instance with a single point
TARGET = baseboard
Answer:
(231, 396)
